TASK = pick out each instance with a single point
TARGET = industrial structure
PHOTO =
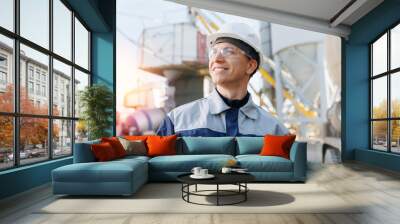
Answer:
(178, 52)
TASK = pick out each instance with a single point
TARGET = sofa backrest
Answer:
(83, 152)
(249, 145)
(191, 146)
(206, 145)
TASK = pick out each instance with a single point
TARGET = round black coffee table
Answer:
(238, 179)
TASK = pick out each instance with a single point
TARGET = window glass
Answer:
(395, 135)
(34, 21)
(7, 14)
(6, 74)
(81, 82)
(81, 45)
(39, 62)
(395, 47)
(379, 98)
(81, 131)
(6, 142)
(62, 29)
(33, 140)
(379, 135)
(395, 94)
(62, 91)
(379, 56)
(62, 138)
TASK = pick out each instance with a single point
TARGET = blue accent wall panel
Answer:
(103, 63)
(356, 122)
(102, 59)
(377, 158)
(355, 84)
(24, 178)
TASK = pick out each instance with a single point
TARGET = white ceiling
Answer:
(323, 16)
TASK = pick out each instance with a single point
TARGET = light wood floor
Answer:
(378, 188)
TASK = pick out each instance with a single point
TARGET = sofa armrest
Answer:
(298, 155)
(83, 152)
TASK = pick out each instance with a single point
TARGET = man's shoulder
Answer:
(189, 108)
(266, 116)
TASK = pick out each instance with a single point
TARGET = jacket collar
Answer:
(217, 106)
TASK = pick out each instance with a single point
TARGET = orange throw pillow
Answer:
(116, 145)
(275, 145)
(136, 137)
(161, 145)
(103, 152)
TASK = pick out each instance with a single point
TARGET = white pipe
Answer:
(269, 15)
(348, 12)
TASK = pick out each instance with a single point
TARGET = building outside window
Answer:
(3, 78)
(3, 72)
(43, 90)
(30, 87)
(44, 77)
(38, 89)
(37, 74)
(30, 72)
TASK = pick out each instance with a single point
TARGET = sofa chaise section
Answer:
(87, 177)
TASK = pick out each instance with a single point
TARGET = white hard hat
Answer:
(238, 31)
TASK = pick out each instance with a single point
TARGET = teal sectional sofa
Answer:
(125, 176)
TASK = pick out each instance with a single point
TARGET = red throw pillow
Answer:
(275, 145)
(103, 152)
(116, 145)
(161, 145)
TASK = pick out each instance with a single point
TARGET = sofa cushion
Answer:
(185, 163)
(275, 145)
(131, 158)
(116, 145)
(134, 147)
(161, 145)
(103, 152)
(249, 145)
(208, 145)
(257, 163)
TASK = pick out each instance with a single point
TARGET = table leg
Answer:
(196, 188)
(245, 192)
(188, 189)
(217, 194)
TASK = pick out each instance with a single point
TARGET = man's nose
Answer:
(218, 56)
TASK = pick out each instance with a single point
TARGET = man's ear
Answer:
(251, 66)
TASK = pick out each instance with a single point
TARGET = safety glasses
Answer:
(225, 52)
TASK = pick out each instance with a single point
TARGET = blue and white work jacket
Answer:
(211, 116)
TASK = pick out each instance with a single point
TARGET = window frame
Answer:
(388, 74)
(16, 114)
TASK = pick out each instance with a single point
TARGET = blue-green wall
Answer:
(24, 178)
(103, 64)
(99, 16)
(355, 82)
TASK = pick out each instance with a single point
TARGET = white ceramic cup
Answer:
(203, 172)
(226, 170)
(196, 170)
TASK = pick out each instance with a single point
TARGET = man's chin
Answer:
(221, 81)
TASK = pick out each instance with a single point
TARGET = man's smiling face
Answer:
(233, 66)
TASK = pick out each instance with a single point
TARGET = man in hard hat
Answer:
(234, 56)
